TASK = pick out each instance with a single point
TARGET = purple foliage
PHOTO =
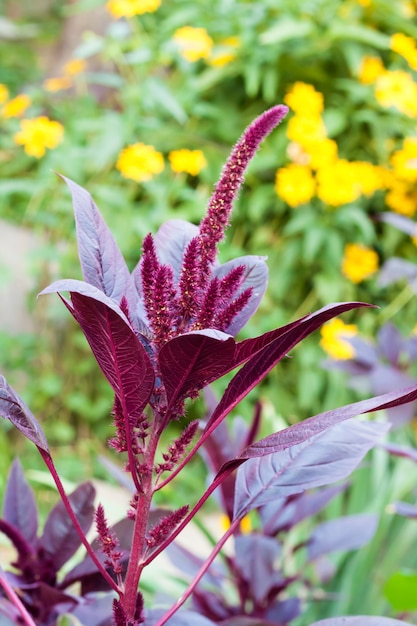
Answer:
(161, 334)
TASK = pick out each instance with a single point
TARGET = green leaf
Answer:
(401, 591)
(369, 36)
(68, 620)
(284, 29)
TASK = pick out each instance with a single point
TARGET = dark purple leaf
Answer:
(341, 534)
(15, 410)
(60, 539)
(189, 563)
(265, 352)
(319, 460)
(361, 620)
(306, 429)
(283, 514)
(101, 261)
(193, 360)
(19, 505)
(404, 508)
(181, 618)
(115, 345)
(256, 558)
(95, 609)
(254, 277)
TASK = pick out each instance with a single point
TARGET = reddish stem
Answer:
(51, 467)
(15, 600)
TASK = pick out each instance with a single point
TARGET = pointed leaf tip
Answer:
(14, 409)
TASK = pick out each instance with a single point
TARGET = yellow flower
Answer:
(370, 177)
(189, 161)
(295, 184)
(406, 47)
(74, 67)
(359, 262)
(4, 93)
(17, 106)
(333, 339)
(57, 84)
(371, 68)
(307, 131)
(129, 8)
(37, 134)
(226, 52)
(337, 183)
(402, 198)
(397, 89)
(304, 99)
(322, 153)
(193, 43)
(404, 161)
(140, 162)
(245, 524)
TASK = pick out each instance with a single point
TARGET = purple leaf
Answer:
(60, 539)
(281, 514)
(360, 620)
(115, 345)
(101, 261)
(284, 611)
(397, 450)
(265, 352)
(193, 360)
(15, 410)
(342, 534)
(181, 618)
(395, 269)
(19, 505)
(254, 277)
(302, 431)
(390, 342)
(399, 221)
(171, 241)
(242, 620)
(94, 609)
(404, 508)
(321, 459)
(256, 558)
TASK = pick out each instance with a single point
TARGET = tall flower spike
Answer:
(214, 224)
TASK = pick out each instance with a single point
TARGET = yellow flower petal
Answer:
(140, 162)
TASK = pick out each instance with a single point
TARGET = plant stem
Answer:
(15, 600)
(136, 562)
(51, 467)
(203, 569)
(397, 304)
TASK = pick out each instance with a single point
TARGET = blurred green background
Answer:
(108, 99)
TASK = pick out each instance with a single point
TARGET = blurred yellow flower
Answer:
(359, 262)
(295, 184)
(370, 177)
(337, 183)
(17, 106)
(408, 9)
(306, 131)
(74, 67)
(370, 69)
(322, 153)
(140, 162)
(193, 43)
(406, 47)
(404, 161)
(225, 52)
(57, 84)
(333, 339)
(4, 93)
(245, 524)
(129, 8)
(37, 134)
(397, 89)
(402, 198)
(189, 161)
(304, 99)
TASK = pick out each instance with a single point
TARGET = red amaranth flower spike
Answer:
(214, 224)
